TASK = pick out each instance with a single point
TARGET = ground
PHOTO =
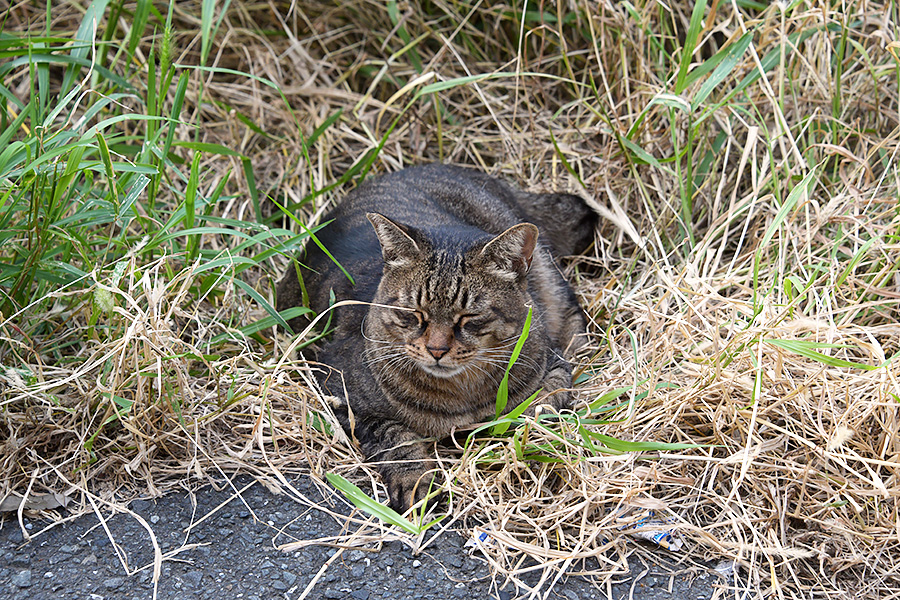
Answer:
(234, 553)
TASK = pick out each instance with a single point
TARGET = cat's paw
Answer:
(407, 487)
(558, 401)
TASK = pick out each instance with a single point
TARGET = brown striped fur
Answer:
(458, 254)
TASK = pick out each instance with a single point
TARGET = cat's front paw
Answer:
(407, 486)
(558, 401)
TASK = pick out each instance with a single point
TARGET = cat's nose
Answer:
(437, 352)
(438, 338)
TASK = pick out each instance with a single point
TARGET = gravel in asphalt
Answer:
(233, 555)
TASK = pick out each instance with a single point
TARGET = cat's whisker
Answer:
(383, 357)
(508, 342)
(503, 359)
(362, 332)
(495, 377)
(374, 341)
(516, 382)
(393, 363)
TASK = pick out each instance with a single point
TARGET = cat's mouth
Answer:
(439, 370)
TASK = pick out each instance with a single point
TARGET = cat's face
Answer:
(454, 311)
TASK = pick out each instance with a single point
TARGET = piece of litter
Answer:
(658, 531)
(478, 539)
(642, 525)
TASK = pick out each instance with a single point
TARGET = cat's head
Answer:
(461, 301)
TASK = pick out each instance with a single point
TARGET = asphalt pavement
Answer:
(222, 546)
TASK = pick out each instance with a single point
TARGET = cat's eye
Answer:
(408, 318)
(473, 325)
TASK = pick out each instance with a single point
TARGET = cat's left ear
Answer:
(509, 254)
(398, 249)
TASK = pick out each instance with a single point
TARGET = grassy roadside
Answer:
(743, 291)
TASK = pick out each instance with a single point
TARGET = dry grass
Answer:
(728, 296)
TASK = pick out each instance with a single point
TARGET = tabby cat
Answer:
(451, 259)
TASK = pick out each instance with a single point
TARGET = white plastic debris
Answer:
(642, 525)
(645, 526)
(479, 539)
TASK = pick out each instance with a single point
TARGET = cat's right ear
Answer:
(397, 247)
(509, 255)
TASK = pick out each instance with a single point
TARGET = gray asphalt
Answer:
(233, 555)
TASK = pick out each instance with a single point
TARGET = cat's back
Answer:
(431, 196)
(438, 194)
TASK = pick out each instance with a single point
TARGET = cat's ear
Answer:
(509, 254)
(397, 247)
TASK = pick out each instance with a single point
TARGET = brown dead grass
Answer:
(798, 478)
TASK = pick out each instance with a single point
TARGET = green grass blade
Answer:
(315, 240)
(671, 101)
(733, 54)
(161, 239)
(441, 86)
(209, 148)
(690, 44)
(328, 122)
(807, 349)
(207, 12)
(177, 104)
(73, 61)
(14, 126)
(503, 389)
(106, 159)
(860, 254)
(262, 302)
(251, 186)
(801, 190)
(208, 29)
(141, 14)
(109, 122)
(264, 323)
(502, 425)
(134, 192)
(73, 169)
(772, 58)
(362, 501)
(618, 445)
(11, 156)
(604, 400)
(229, 261)
(190, 197)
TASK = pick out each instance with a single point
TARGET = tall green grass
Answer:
(92, 171)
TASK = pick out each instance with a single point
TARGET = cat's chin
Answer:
(444, 372)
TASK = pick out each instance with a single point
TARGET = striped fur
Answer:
(452, 252)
